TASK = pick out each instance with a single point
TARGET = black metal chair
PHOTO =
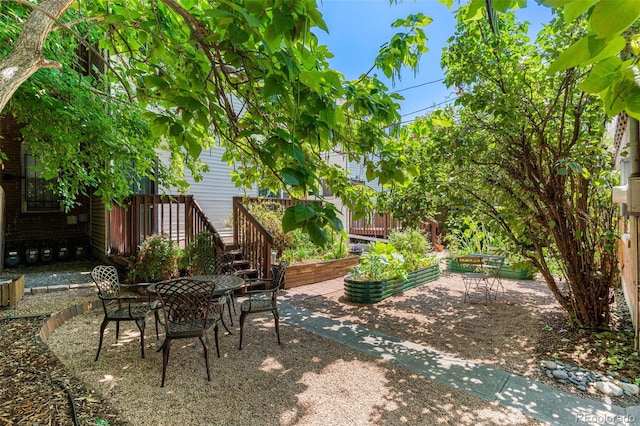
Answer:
(117, 307)
(190, 310)
(263, 300)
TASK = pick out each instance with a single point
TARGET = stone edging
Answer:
(50, 288)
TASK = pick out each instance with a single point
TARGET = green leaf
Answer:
(447, 3)
(311, 80)
(316, 234)
(273, 86)
(576, 8)
(303, 212)
(557, 3)
(586, 51)
(290, 176)
(601, 75)
(612, 17)
(255, 6)
(316, 17)
(237, 35)
(289, 222)
(475, 11)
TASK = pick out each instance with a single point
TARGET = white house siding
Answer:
(214, 193)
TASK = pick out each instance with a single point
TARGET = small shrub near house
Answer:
(199, 255)
(157, 259)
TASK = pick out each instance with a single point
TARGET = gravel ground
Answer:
(310, 380)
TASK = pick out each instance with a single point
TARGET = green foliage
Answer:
(269, 214)
(610, 45)
(522, 154)
(85, 141)
(297, 245)
(188, 70)
(377, 267)
(409, 240)
(199, 255)
(157, 259)
(466, 236)
(385, 260)
(607, 49)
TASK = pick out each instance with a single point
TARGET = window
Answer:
(37, 196)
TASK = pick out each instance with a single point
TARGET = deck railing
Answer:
(251, 237)
(177, 216)
(381, 225)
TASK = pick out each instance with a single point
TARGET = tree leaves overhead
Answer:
(611, 33)
(251, 77)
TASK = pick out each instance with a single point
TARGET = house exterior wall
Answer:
(215, 192)
(32, 229)
(628, 225)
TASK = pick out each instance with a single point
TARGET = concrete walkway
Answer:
(532, 398)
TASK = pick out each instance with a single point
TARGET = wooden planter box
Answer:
(375, 291)
(506, 272)
(310, 273)
(11, 290)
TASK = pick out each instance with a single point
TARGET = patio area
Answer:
(421, 357)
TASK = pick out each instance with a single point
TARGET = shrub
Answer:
(199, 255)
(295, 245)
(409, 241)
(156, 260)
(269, 214)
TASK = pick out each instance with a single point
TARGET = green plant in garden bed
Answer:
(386, 260)
(199, 255)
(296, 245)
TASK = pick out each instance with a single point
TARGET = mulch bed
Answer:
(36, 388)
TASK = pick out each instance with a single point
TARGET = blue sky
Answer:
(357, 29)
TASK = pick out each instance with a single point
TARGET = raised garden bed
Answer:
(375, 291)
(506, 271)
(11, 290)
(309, 273)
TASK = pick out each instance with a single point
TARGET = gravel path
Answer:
(55, 273)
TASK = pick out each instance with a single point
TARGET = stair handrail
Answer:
(255, 241)
(217, 238)
(144, 216)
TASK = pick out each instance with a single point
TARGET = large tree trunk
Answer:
(27, 57)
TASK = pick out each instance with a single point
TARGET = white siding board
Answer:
(214, 193)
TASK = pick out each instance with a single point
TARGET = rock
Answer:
(582, 388)
(576, 381)
(608, 388)
(550, 365)
(565, 340)
(560, 374)
(625, 380)
(629, 387)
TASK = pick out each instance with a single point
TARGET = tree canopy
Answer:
(523, 150)
(248, 76)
